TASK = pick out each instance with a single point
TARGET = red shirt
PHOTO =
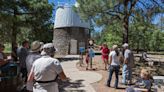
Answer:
(105, 51)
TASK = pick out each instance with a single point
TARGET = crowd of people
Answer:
(38, 67)
(116, 57)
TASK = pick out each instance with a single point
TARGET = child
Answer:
(142, 85)
(105, 52)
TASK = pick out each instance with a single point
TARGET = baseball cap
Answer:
(125, 45)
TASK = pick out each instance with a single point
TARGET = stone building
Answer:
(70, 32)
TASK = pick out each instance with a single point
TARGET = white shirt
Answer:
(129, 56)
(126, 53)
(46, 69)
(115, 58)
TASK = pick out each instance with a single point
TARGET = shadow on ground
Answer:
(71, 86)
(67, 59)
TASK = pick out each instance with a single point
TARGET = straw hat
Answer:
(35, 46)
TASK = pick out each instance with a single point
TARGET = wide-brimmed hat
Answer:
(35, 46)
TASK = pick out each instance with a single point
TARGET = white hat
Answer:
(115, 46)
(48, 48)
(125, 45)
(35, 46)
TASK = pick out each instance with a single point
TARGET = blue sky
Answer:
(65, 1)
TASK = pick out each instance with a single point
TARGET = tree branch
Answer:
(132, 6)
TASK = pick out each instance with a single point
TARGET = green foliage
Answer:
(125, 19)
(7, 48)
(25, 19)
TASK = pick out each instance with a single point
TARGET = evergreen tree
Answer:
(104, 12)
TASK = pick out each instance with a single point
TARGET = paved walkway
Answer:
(80, 80)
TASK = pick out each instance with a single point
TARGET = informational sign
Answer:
(82, 49)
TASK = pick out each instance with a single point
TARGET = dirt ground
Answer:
(100, 86)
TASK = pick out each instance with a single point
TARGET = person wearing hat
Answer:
(128, 64)
(32, 56)
(45, 71)
(114, 66)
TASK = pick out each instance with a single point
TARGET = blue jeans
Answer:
(126, 74)
(113, 68)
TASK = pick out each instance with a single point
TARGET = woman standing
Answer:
(105, 52)
(114, 66)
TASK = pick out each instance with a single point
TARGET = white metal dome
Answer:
(66, 17)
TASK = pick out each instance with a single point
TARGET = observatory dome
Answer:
(66, 17)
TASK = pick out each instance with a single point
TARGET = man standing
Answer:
(22, 53)
(127, 65)
(32, 56)
(45, 71)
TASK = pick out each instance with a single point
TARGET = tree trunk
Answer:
(14, 29)
(125, 22)
(13, 36)
(126, 29)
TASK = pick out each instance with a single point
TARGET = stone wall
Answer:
(63, 36)
(61, 41)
